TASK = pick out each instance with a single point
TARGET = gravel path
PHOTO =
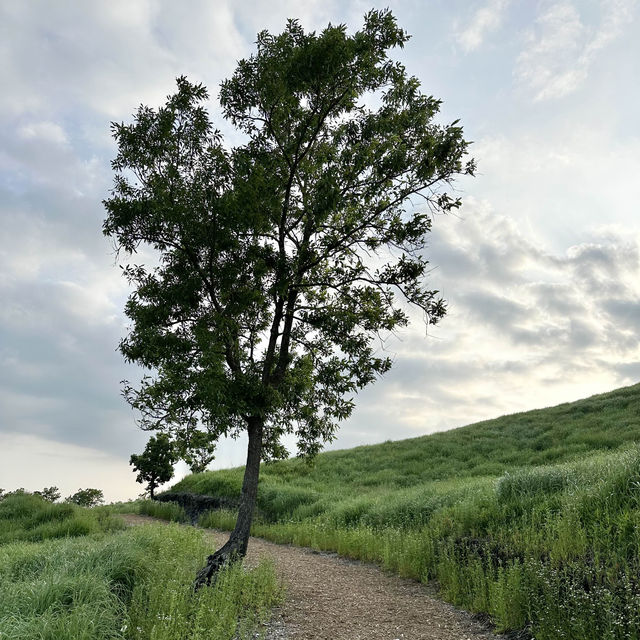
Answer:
(330, 598)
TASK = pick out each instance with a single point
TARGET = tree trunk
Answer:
(236, 546)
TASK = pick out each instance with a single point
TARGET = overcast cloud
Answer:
(540, 269)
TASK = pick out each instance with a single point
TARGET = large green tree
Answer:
(282, 260)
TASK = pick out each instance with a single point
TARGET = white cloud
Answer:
(619, 14)
(561, 48)
(528, 326)
(563, 178)
(551, 64)
(43, 131)
(485, 21)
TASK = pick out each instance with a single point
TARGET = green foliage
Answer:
(155, 464)
(15, 492)
(170, 511)
(196, 448)
(266, 303)
(134, 584)
(551, 548)
(86, 497)
(165, 607)
(50, 494)
(29, 517)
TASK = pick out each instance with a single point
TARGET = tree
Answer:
(155, 464)
(196, 448)
(284, 260)
(86, 497)
(50, 494)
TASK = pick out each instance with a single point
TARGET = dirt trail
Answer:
(330, 598)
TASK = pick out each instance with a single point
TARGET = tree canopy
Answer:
(275, 277)
(86, 497)
(155, 464)
(284, 259)
(50, 494)
(196, 448)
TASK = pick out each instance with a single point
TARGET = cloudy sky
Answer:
(540, 268)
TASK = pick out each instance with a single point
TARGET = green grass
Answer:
(169, 511)
(532, 518)
(29, 517)
(118, 584)
(488, 448)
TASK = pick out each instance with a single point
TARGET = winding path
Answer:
(330, 598)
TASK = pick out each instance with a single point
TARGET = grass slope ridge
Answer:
(532, 518)
(485, 449)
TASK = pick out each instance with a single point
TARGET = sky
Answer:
(540, 267)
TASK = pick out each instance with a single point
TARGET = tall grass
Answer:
(29, 517)
(169, 511)
(163, 607)
(134, 584)
(533, 519)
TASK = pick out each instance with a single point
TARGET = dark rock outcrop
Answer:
(195, 504)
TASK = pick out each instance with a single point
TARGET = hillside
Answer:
(485, 449)
(533, 518)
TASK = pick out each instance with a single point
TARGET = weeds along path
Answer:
(330, 598)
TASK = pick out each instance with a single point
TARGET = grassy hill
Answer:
(463, 456)
(532, 518)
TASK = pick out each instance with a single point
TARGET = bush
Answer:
(50, 494)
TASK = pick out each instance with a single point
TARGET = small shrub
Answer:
(50, 494)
